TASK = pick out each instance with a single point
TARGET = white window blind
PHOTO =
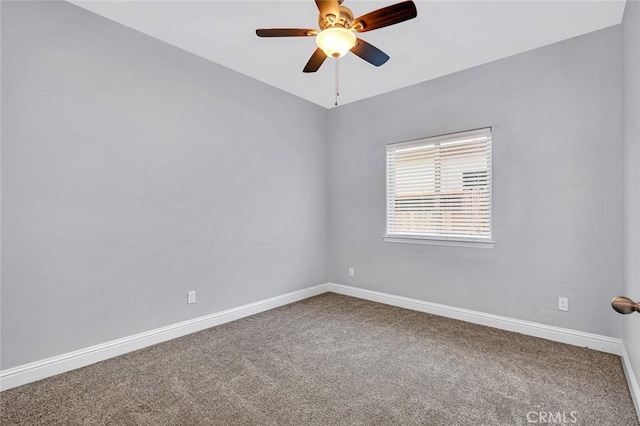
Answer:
(440, 187)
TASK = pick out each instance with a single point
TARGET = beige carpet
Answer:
(335, 360)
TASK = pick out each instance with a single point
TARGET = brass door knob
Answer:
(624, 305)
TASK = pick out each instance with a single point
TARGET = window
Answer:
(439, 189)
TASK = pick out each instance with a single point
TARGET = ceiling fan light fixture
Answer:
(336, 42)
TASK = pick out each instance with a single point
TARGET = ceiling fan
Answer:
(337, 37)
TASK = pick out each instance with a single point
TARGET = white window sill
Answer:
(439, 242)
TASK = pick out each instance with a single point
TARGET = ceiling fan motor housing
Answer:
(344, 20)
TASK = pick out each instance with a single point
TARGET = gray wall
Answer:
(555, 113)
(631, 172)
(133, 172)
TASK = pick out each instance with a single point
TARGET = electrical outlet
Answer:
(191, 297)
(563, 303)
(351, 272)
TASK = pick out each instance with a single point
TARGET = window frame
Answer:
(434, 239)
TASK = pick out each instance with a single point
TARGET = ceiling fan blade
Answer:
(315, 61)
(328, 7)
(369, 53)
(386, 16)
(286, 32)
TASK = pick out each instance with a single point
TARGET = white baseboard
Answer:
(38, 370)
(557, 334)
(634, 388)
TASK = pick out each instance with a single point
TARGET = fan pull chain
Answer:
(337, 80)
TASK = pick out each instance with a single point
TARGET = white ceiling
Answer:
(447, 36)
